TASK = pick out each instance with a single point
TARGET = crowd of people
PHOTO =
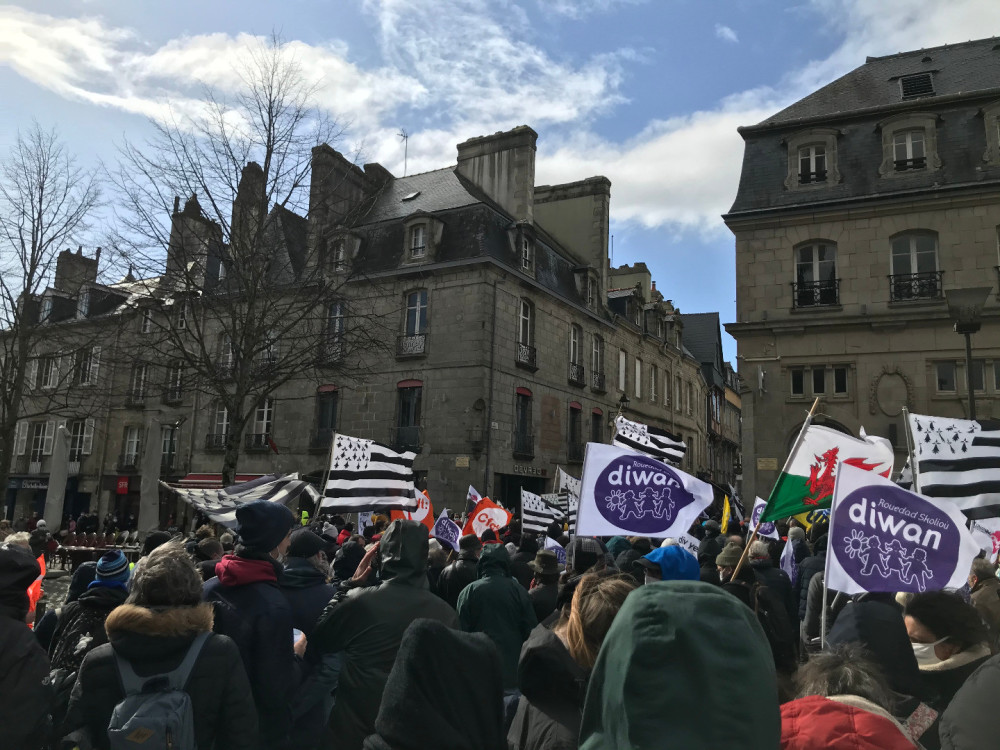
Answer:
(284, 636)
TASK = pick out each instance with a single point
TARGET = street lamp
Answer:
(623, 403)
(965, 306)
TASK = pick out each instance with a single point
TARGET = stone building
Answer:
(509, 340)
(860, 209)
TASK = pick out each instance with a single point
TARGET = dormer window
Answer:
(908, 150)
(527, 260)
(591, 292)
(812, 159)
(909, 144)
(812, 164)
(83, 304)
(46, 312)
(418, 241)
(339, 255)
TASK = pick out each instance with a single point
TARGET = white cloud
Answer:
(726, 34)
(578, 9)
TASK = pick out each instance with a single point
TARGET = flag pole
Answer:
(791, 454)
(326, 473)
(909, 450)
(822, 616)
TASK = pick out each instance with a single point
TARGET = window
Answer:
(653, 377)
(526, 255)
(978, 373)
(146, 324)
(690, 398)
(526, 328)
(137, 381)
(945, 377)
(840, 380)
(326, 411)
(83, 304)
(819, 380)
(812, 164)
(50, 372)
(416, 313)
(174, 387)
(591, 291)
(996, 376)
(46, 312)
(81, 442)
(816, 275)
(575, 337)
(677, 393)
(335, 328)
(226, 354)
(522, 423)
(621, 370)
(221, 420)
(638, 378)
(168, 446)
(42, 434)
(340, 254)
(575, 425)
(263, 417)
(917, 85)
(408, 417)
(597, 355)
(87, 366)
(597, 426)
(418, 241)
(914, 269)
(908, 150)
(131, 443)
(182, 315)
(666, 388)
(798, 378)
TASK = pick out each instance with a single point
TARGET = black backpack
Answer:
(773, 618)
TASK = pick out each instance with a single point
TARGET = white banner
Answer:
(884, 538)
(986, 532)
(624, 492)
(689, 543)
(767, 529)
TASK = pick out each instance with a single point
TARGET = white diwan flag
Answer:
(624, 492)
(986, 532)
(767, 528)
(884, 538)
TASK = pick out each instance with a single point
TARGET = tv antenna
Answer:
(406, 139)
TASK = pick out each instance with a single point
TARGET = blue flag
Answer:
(447, 531)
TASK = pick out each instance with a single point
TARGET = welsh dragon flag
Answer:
(806, 482)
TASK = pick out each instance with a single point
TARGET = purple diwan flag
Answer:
(884, 538)
(788, 563)
(447, 531)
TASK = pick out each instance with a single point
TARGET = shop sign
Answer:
(530, 471)
(121, 486)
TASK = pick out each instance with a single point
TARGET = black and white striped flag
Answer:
(958, 460)
(220, 504)
(536, 514)
(365, 475)
(568, 488)
(652, 441)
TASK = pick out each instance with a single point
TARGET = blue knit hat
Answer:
(262, 525)
(113, 567)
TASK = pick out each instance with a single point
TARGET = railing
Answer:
(524, 445)
(330, 352)
(263, 366)
(806, 178)
(224, 370)
(597, 382)
(905, 165)
(215, 441)
(257, 441)
(575, 375)
(907, 286)
(320, 441)
(574, 452)
(407, 438)
(816, 293)
(34, 467)
(73, 466)
(412, 345)
(173, 395)
(135, 397)
(128, 463)
(525, 356)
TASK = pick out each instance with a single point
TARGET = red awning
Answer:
(212, 481)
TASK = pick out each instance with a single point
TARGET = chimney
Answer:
(249, 209)
(578, 214)
(337, 188)
(502, 165)
(73, 270)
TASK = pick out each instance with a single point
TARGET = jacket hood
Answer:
(239, 571)
(403, 552)
(548, 676)
(969, 722)
(427, 696)
(684, 660)
(142, 633)
(299, 573)
(495, 561)
(618, 544)
(815, 721)
(103, 597)
(346, 562)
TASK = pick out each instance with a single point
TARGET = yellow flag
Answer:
(725, 514)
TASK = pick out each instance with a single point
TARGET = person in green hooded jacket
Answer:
(498, 606)
(684, 665)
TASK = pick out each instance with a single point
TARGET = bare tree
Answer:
(46, 200)
(241, 296)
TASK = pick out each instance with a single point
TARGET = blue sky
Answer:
(646, 92)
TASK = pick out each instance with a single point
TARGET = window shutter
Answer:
(32, 374)
(95, 363)
(50, 431)
(21, 438)
(88, 437)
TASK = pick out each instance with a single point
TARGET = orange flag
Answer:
(35, 589)
(424, 512)
(487, 515)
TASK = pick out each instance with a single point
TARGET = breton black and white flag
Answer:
(958, 460)
(536, 514)
(568, 488)
(365, 475)
(220, 504)
(652, 441)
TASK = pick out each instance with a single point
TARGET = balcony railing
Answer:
(905, 165)
(597, 382)
(907, 286)
(407, 438)
(574, 452)
(224, 370)
(807, 178)
(524, 445)
(330, 353)
(264, 366)
(320, 441)
(173, 395)
(34, 467)
(256, 441)
(576, 375)
(411, 346)
(135, 397)
(816, 293)
(128, 463)
(215, 441)
(525, 357)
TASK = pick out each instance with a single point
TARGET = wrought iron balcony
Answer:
(524, 445)
(128, 463)
(816, 293)
(264, 366)
(173, 395)
(135, 398)
(73, 468)
(256, 441)
(597, 382)
(215, 441)
(907, 286)
(525, 357)
(330, 353)
(413, 345)
(574, 452)
(906, 165)
(576, 375)
(407, 438)
(224, 370)
(808, 178)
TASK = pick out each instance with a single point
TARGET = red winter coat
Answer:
(816, 722)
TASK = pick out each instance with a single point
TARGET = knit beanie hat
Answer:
(729, 557)
(262, 525)
(153, 540)
(113, 567)
(305, 543)
(18, 570)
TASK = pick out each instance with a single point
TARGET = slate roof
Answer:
(439, 190)
(619, 293)
(703, 338)
(957, 69)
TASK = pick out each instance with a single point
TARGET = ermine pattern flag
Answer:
(220, 504)
(652, 441)
(365, 475)
(883, 538)
(569, 486)
(958, 460)
(536, 514)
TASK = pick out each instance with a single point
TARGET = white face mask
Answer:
(925, 652)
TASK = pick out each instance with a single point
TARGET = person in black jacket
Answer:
(153, 631)
(520, 568)
(25, 701)
(544, 591)
(252, 610)
(774, 578)
(810, 567)
(462, 571)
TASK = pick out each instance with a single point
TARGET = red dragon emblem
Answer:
(822, 474)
